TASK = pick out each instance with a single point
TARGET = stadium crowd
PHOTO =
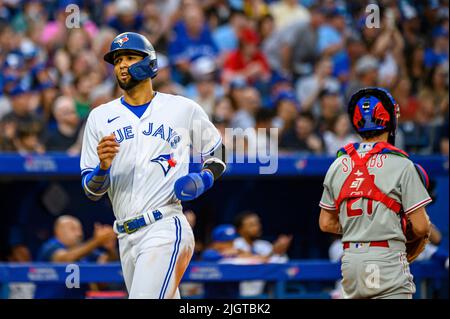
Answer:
(288, 64)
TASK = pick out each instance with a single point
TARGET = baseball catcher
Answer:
(375, 197)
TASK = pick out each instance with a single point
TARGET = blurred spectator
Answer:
(245, 116)
(298, 57)
(223, 109)
(366, 75)
(405, 99)
(127, 17)
(68, 125)
(332, 34)
(421, 133)
(226, 36)
(249, 228)
(438, 52)
(34, 13)
(67, 246)
(236, 90)
(191, 39)
(7, 136)
(416, 68)
(27, 139)
(22, 129)
(286, 12)
(20, 253)
(279, 83)
(443, 141)
(287, 107)
(84, 85)
(410, 26)
(247, 61)
(164, 82)
(168, 10)
(154, 23)
(339, 135)
(388, 49)
(344, 63)
(206, 90)
(264, 142)
(309, 88)
(330, 107)
(55, 33)
(255, 9)
(222, 116)
(302, 137)
(222, 251)
(436, 86)
(271, 41)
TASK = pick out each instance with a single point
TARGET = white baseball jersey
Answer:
(154, 149)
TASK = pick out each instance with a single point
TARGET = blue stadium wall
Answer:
(35, 190)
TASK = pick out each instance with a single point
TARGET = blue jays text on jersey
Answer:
(166, 133)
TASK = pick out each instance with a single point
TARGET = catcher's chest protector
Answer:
(360, 184)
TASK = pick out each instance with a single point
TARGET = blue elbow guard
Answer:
(191, 186)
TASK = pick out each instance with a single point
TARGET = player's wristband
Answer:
(96, 183)
(191, 186)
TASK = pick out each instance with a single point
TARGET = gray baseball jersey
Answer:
(366, 220)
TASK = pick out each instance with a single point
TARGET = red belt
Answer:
(382, 243)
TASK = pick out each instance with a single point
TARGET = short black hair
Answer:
(307, 115)
(317, 8)
(263, 115)
(240, 218)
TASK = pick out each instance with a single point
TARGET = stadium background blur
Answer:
(251, 64)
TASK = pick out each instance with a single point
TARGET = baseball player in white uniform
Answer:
(137, 149)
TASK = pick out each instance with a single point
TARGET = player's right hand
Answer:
(107, 150)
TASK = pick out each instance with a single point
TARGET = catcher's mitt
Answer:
(414, 244)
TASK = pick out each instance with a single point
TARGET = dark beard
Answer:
(128, 85)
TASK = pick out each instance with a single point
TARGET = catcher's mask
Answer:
(374, 109)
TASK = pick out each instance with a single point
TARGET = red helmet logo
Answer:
(380, 115)
(357, 118)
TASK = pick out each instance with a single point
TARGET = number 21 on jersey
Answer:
(353, 212)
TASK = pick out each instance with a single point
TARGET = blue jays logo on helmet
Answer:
(166, 161)
(121, 40)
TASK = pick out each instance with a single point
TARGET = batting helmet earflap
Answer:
(374, 109)
(147, 67)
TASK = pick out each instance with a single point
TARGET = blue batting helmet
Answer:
(374, 109)
(147, 67)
